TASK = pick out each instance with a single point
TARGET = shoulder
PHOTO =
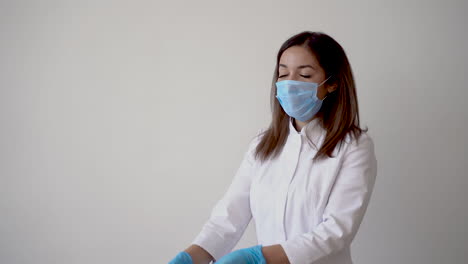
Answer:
(363, 144)
(364, 139)
(253, 142)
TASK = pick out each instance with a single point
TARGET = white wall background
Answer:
(123, 122)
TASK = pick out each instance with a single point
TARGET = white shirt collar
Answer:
(313, 129)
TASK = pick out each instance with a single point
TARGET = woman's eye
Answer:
(284, 75)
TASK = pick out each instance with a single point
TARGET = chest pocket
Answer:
(264, 192)
(310, 188)
(320, 182)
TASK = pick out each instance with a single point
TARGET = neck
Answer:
(299, 124)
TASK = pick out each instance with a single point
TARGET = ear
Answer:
(331, 88)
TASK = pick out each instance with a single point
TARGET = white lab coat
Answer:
(312, 209)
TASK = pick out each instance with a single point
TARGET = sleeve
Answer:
(231, 214)
(345, 209)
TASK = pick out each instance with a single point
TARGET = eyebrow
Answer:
(299, 67)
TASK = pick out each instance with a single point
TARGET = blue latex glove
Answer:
(182, 258)
(251, 255)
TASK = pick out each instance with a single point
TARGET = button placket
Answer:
(294, 162)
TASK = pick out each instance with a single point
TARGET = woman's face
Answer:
(299, 64)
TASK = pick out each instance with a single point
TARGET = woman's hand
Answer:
(182, 258)
(251, 255)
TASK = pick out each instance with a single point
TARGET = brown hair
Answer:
(339, 113)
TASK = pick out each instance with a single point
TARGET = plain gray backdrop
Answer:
(123, 122)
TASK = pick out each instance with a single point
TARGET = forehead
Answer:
(297, 55)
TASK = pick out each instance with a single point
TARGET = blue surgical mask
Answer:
(299, 99)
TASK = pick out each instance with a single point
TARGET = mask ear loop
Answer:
(325, 80)
(312, 144)
(323, 83)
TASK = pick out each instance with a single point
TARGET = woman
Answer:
(308, 178)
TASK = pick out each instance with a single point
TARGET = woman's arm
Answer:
(231, 215)
(275, 254)
(199, 255)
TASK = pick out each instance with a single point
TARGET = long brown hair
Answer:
(339, 113)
